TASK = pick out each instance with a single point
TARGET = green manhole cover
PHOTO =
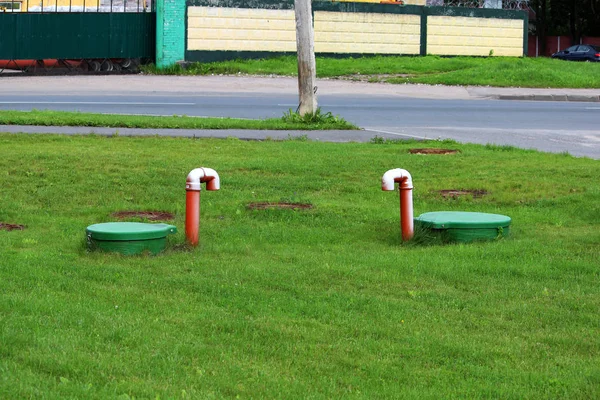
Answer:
(460, 226)
(128, 237)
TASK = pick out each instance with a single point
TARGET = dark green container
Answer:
(459, 226)
(128, 237)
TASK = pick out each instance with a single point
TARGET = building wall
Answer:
(474, 36)
(81, 5)
(60, 5)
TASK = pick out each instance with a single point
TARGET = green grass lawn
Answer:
(289, 121)
(434, 70)
(321, 303)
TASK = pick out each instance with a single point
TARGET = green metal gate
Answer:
(83, 40)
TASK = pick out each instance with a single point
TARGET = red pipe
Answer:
(192, 200)
(192, 216)
(48, 63)
(405, 187)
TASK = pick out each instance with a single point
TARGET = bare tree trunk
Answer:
(306, 58)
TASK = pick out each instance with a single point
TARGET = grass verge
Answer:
(434, 70)
(289, 121)
(318, 303)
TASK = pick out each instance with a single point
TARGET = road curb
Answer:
(550, 97)
(342, 136)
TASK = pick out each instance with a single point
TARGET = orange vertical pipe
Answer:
(406, 214)
(192, 216)
(404, 180)
(192, 200)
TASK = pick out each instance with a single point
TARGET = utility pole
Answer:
(305, 45)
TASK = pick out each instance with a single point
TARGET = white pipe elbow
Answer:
(213, 182)
(399, 175)
(199, 175)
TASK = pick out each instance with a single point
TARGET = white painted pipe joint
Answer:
(405, 187)
(201, 175)
(399, 175)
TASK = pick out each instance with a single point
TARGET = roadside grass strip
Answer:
(315, 302)
(434, 70)
(289, 121)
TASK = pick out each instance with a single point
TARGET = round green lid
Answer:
(129, 231)
(462, 220)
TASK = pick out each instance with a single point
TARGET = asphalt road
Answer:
(415, 112)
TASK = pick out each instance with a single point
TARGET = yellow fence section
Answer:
(241, 29)
(337, 32)
(343, 29)
(227, 29)
(405, 2)
(474, 36)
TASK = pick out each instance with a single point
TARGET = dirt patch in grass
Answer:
(279, 205)
(181, 247)
(149, 215)
(454, 193)
(11, 227)
(432, 151)
(371, 77)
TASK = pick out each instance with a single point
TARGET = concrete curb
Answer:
(550, 97)
(334, 136)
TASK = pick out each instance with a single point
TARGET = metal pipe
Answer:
(405, 187)
(192, 199)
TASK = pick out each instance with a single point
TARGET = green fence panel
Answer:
(7, 35)
(77, 35)
(132, 37)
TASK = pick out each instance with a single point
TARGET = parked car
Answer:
(580, 52)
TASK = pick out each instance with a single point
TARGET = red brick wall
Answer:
(591, 40)
(554, 44)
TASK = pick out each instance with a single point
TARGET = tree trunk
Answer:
(307, 75)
